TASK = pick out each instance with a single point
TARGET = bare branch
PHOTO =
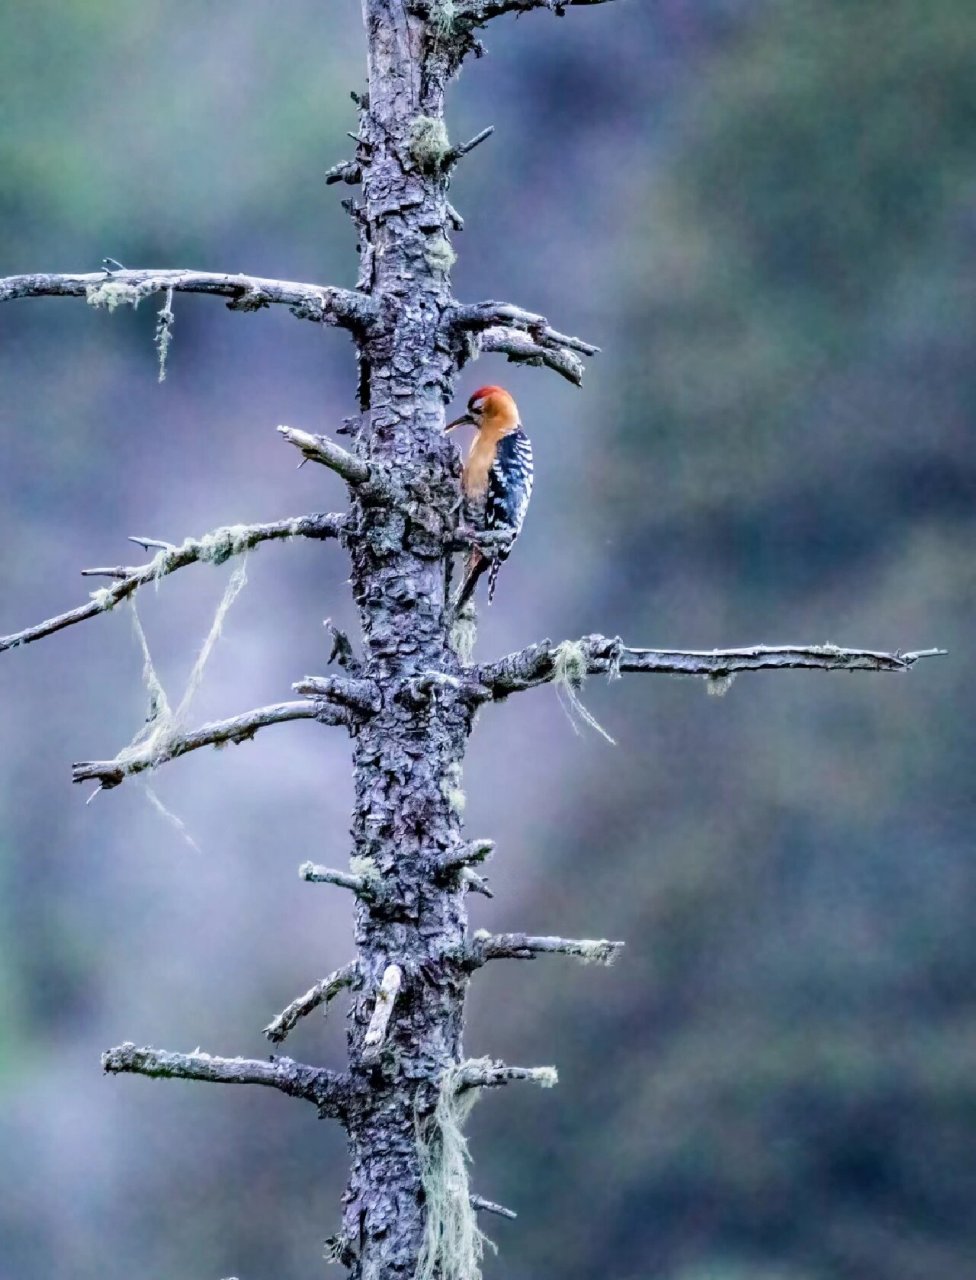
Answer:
(482, 1073)
(592, 655)
(325, 1088)
(479, 11)
(481, 1205)
(456, 153)
(466, 855)
(348, 171)
(109, 773)
(522, 946)
(215, 548)
(320, 449)
(484, 315)
(522, 336)
(321, 993)
(364, 883)
(389, 989)
(360, 696)
(521, 349)
(321, 303)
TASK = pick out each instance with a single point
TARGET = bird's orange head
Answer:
(490, 408)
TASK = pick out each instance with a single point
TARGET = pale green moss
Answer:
(464, 633)
(453, 1243)
(429, 143)
(452, 791)
(442, 16)
(598, 951)
(221, 544)
(569, 670)
(103, 597)
(718, 686)
(367, 871)
(164, 332)
(114, 293)
(439, 254)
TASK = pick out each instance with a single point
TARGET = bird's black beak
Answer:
(465, 420)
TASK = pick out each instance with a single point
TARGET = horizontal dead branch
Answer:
(521, 349)
(474, 13)
(215, 548)
(362, 880)
(522, 336)
(325, 1089)
(361, 696)
(110, 289)
(466, 855)
(323, 991)
(593, 655)
(379, 1023)
(522, 946)
(321, 449)
(218, 733)
(479, 11)
(348, 171)
(483, 1073)
(481, 1205)
(484, 315)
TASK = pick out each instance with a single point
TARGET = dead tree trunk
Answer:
(409, 700)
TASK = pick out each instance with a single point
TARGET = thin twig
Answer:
(325, 1088)
(481, 1205)
(215, 547)
(320, 449)
(456, 153)
(323, 991)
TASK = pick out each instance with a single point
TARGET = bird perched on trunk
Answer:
(497, 481)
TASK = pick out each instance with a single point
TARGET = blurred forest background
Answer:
(765, 213)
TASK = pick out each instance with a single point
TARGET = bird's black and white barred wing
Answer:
(509, 491)
(510, 485)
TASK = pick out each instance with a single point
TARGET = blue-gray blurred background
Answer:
(765, 213)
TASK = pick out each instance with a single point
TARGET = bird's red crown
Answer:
(485, 393)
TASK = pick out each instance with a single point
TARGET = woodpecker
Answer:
(497, 480)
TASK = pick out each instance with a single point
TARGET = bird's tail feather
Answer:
(477, 564)
(493, 578)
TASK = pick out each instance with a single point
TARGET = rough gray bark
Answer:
(408, 700)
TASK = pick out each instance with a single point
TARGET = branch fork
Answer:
(215, 548)
(523, 336)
